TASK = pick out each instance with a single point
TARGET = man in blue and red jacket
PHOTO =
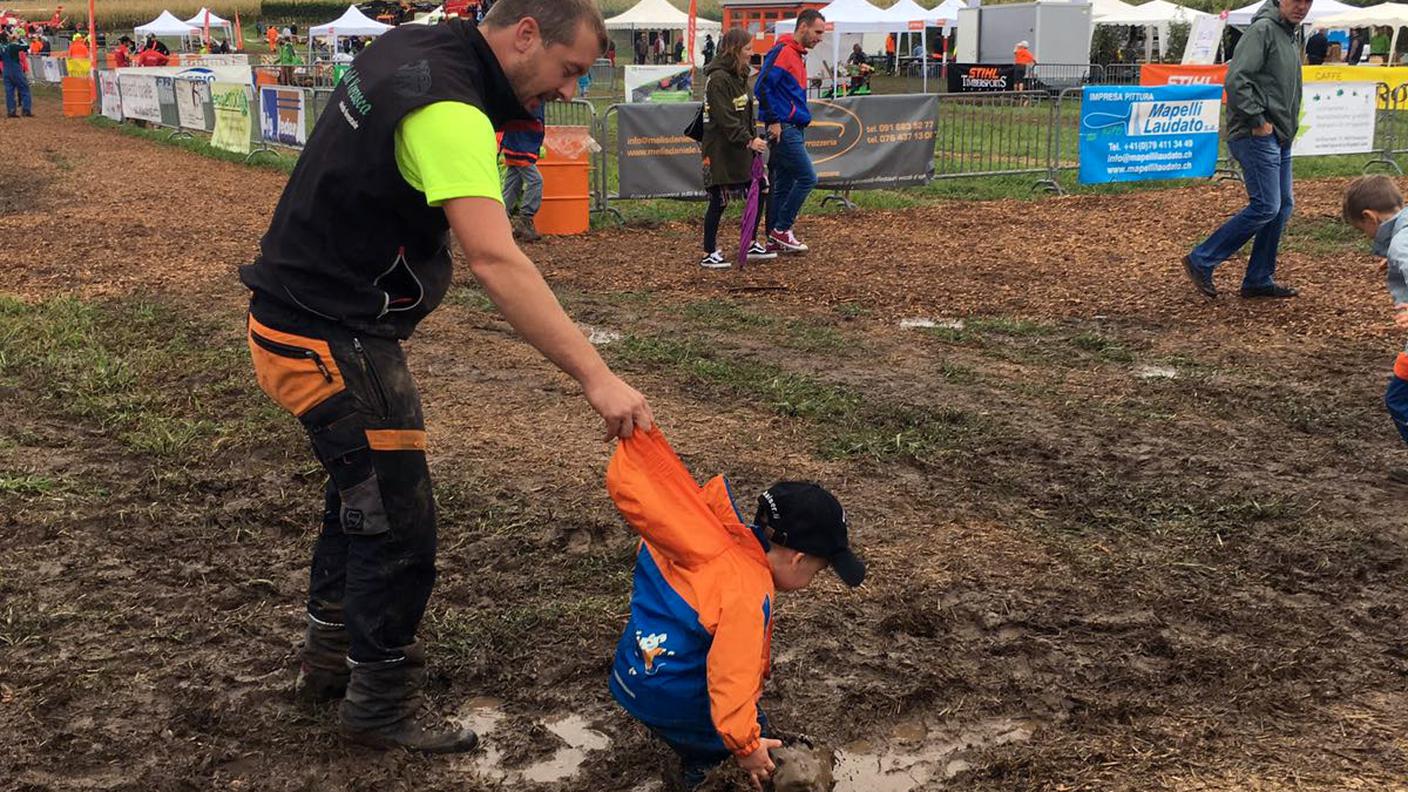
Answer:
(782, 98)
(522, 142)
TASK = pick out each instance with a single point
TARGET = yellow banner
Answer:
(1394, 76)
(232, 123)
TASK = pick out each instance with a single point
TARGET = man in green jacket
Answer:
(1263, 113)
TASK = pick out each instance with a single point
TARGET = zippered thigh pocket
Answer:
(297, 372)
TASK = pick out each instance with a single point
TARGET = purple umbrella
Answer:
(750, 210)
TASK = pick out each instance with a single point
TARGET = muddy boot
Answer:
(382, 705)
(322, 669)
(528, 230)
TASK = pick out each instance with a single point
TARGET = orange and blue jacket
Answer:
(782, 84)
(523, 140)
(695, 650)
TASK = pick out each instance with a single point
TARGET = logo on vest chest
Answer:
(413, 79)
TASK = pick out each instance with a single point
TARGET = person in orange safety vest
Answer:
(695, 652)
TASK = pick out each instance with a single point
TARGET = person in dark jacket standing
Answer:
(730, 142)
(1316, 47)
(356, 255)
(1263, 114)
(782, 96)
(17, 96)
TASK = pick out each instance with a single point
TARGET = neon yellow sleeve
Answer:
(448, 150)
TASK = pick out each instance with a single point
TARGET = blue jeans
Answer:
(792, 177)
(527, 180)
(16, 91)
(700, 751)
(1266, 168)
(1396, 400)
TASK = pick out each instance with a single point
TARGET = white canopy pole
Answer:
(924, 47)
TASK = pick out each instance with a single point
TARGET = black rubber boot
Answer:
(322, 668)
(382, 705)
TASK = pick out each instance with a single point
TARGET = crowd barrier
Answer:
(1032, 132)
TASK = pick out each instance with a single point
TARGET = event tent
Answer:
(166, 24)
(1241, 17)
(657, 15)
(906, 10)
(351, 23)
(1394, 15)
(1157, 14)
(198, 22)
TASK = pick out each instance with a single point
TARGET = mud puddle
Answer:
(915, 756)
(578, 739)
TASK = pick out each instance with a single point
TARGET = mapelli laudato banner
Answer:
(232, 117)
(1152, 132)
(855, 143)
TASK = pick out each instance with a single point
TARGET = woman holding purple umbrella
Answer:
(730, 143)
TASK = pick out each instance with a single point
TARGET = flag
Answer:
(751, 207)
(693, 22)
(207, 27)
(239, 34)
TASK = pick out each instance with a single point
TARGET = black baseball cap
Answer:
(806, 518)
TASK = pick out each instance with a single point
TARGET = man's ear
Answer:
(525, 34)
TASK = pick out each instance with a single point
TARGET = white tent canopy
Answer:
(657, 15)
(1102, 8)
(198, 21)
(852, 16)
(1392, 15)
(1241, 17)
(905, 11)
(351, 23)
(166, 24)
(1156, 14)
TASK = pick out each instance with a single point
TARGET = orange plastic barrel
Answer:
(78, 97)
(566, 170)
(266, 77)
(112, 60)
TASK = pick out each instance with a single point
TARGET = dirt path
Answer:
(1119, 539)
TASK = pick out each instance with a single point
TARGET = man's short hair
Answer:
(558, 20)
(1377, 193)
(809, 16)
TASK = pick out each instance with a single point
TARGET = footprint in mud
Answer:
(914, 756)
(577, 739)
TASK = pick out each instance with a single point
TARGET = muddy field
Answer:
(1119, 539)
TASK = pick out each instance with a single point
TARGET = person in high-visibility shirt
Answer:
(272, 36)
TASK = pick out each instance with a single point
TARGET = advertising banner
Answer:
(1336, 118)
(865, 142)
(192, 97)
(659, 83)
(111, 95)
(232, 123)
(656, 159)
(980, 77)
(166, 98)
(281, 116)
(1394, 76)
(1140, 134)
(53, 70)
(1177, 74)
(139, 98)
(1204, 37)
(212, 61)
(856, 142)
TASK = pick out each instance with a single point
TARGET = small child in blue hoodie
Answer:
(523, 141)
(1374, 205)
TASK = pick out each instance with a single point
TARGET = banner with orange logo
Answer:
(1182, 74)
(981, 77)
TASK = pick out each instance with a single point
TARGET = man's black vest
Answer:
(350, 240)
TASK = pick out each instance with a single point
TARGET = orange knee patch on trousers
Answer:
(396, 439)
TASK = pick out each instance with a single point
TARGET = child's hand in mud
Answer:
(1400, 316)
(759, 764)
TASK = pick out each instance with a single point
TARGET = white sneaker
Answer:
(759, 252)
(787, 242)
(714, 260)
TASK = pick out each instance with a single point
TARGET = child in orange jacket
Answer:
(692, 660)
